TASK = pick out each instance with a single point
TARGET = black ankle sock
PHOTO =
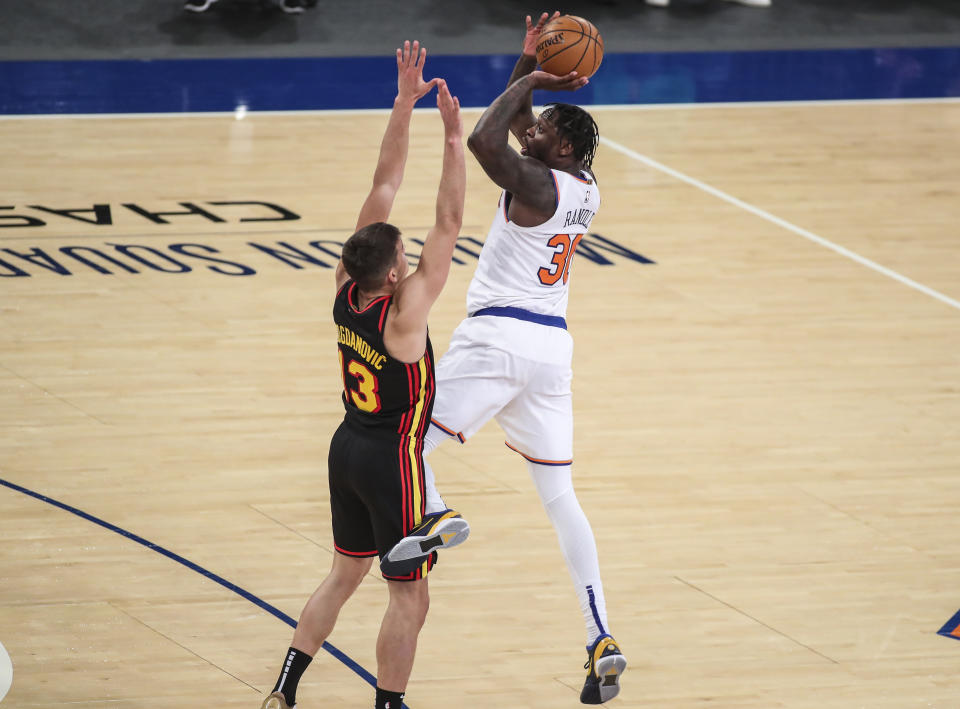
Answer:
(389, 700)
(294, 665)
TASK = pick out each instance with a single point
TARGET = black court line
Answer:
(755, 620)
(173, 234)
(339, 654)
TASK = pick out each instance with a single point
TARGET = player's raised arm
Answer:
(406, 328)
(526, 64)
(526, 178)
(396, 140)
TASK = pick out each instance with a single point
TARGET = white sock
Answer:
(431, 440)
(554, 484)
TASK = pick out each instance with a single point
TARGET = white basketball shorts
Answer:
(515, 371)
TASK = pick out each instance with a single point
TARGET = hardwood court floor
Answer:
(766, 432)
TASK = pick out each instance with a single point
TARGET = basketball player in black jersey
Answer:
(376, 460)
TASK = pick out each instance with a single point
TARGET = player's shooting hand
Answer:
(568, 82)
(449, 110)
(410, 83)
(533, 32)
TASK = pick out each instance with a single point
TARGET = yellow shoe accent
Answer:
(438, 530)
(605, 664)
(449, 515)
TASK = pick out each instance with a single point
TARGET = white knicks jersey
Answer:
(529, 267)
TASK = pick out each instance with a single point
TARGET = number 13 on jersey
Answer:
(365, 396)
(559, 266)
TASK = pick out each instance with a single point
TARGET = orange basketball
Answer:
(570, 43)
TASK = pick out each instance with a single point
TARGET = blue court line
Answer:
(328, 83)
(339, 654)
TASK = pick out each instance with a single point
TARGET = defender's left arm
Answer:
(396, 141)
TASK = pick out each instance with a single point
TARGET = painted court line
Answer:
(241, 112)
(951, 628)
(809, 235)
(775, 104)
(340, 655)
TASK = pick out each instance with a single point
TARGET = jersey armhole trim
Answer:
(507, 196)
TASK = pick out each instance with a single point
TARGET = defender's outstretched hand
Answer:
(449, 111)
(410, 60)
(550, 82)
(533, 32)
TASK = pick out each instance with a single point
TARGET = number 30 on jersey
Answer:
(559, 267)
(365, 396)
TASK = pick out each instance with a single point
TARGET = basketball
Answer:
(570, 43)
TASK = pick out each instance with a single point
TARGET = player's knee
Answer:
(420, 604)
(348, 572)
(552, 482)
(411, 598)
(433, 438)
(422, 608)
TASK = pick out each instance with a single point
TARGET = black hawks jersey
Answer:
(380, 393)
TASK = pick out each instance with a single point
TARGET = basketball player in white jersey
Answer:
(510, 358)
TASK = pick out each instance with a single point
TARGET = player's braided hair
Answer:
(369, 254)
(577, 126)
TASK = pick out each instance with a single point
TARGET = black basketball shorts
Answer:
(376, 492)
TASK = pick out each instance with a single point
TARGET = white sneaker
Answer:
(658, 3)
(198, 5)
(291, 7)
(753, 3)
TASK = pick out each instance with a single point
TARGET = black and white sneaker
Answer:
(438, 530)
(291, 7)
(605, 664)
(198, 5)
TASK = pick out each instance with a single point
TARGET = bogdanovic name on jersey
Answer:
(346, 336)
(583, 217)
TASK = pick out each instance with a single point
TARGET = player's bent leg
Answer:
(433, 438)
(397, 642)
(474, 383)
(441, 527)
